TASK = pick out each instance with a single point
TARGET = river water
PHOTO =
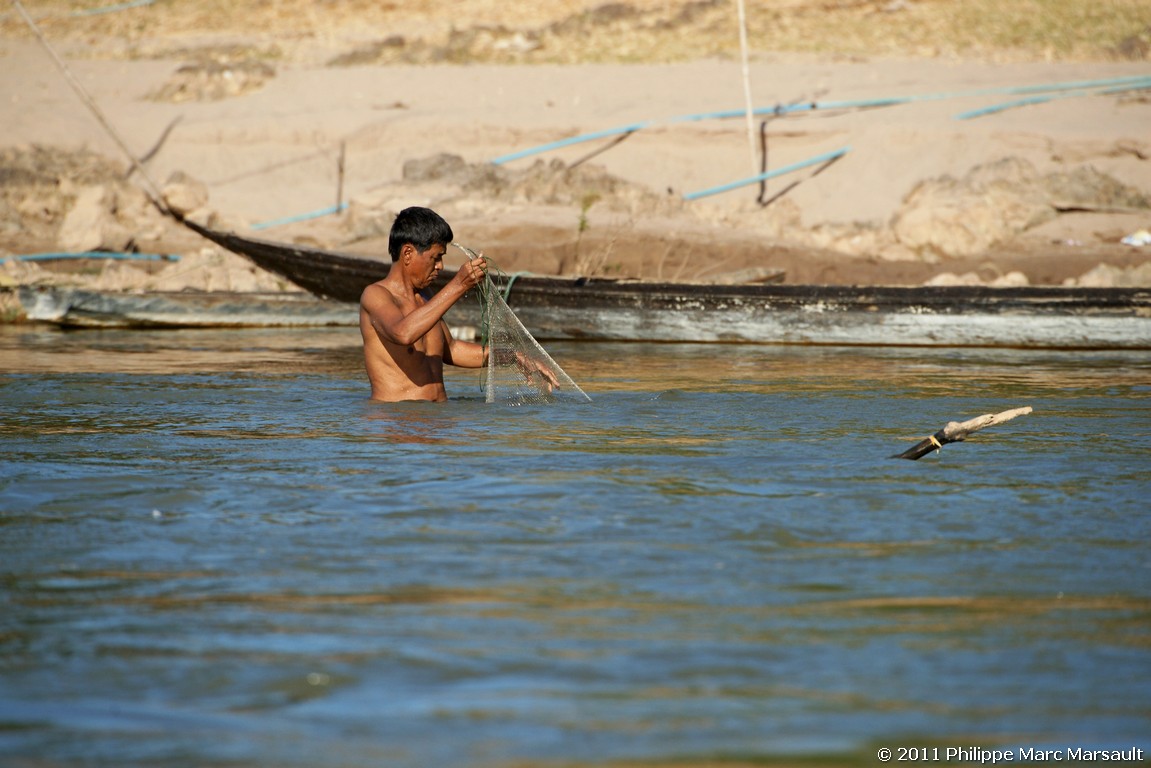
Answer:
(216, 552)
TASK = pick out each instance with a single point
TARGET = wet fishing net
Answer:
(519, 371)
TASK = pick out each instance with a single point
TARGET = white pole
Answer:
(747, 87)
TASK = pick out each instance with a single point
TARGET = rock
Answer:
(120, 276)
(214, 76)
(995, 202)
(857, 239)
(136, 211)
(1140, 276)
(183, 194)
(1135, 47)
(211, 269)
(1107, 276)
(441, 167)
(91, 224)
(20, 272)
(225, 222)
(371, 215)
(11, 310)
(964, 217)
(1085, 188)
(1013, 279)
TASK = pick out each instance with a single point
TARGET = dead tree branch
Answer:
(956, 432)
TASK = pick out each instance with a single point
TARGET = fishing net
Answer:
(519, 371)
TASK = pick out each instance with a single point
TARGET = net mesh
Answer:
(520, 371)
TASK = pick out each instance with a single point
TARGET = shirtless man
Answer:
(406, 341)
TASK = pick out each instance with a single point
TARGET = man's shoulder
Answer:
(376, 291)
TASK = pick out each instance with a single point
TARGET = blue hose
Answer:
(827, 156)
(91, 255)
(301, 217)
(812, 106)
(114, 8)
(1135, 85)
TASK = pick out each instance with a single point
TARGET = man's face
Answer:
(426, 265)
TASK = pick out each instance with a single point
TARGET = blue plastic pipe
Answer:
(1135, 85)
(301, 217)
(113, 8)
(91, 255)
(812, 106)
(826, 157)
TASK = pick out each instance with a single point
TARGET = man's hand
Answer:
(472, 272)
(531, 368)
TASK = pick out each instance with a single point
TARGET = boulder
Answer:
(965, 217)
(371, 215)
(1108, 276)
(183, 194)
(995, 202)
(91, 224)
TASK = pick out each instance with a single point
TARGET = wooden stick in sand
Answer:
(956, 432)
(340, 174)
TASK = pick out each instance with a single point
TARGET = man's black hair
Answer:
(422, 227)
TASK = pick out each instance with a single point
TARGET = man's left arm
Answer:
(462, 354)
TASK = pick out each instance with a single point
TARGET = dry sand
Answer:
(919, 193)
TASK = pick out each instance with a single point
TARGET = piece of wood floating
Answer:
(957, 431)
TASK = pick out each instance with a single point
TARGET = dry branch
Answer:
(957, 431)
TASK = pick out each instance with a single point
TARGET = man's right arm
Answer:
(390, 322)
(393, 325)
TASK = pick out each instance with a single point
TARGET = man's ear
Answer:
(407, 251)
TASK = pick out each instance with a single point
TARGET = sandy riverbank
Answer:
(1042, 193)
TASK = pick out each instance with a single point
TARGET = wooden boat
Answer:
(80, 308)
(598, 309)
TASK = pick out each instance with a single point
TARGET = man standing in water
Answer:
(406, 341)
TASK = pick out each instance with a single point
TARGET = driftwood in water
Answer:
(956, 432)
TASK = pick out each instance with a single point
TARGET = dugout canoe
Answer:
(82, 308)
(601, 309)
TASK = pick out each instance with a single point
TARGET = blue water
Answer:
(215, 551)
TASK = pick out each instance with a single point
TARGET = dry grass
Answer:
(576, 31)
